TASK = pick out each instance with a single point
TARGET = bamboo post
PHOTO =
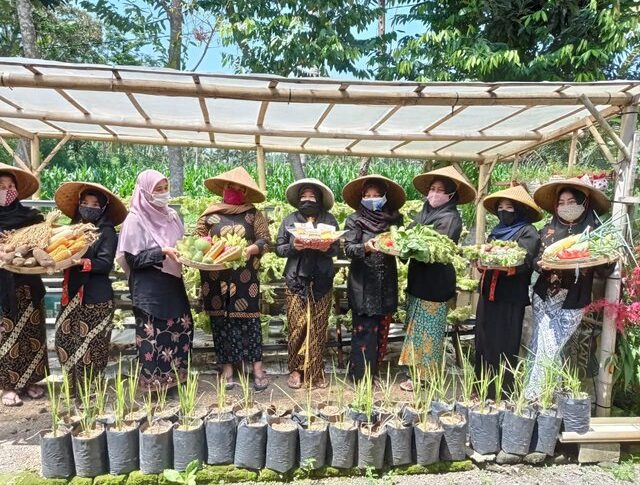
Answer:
(624, 185)
(262, 172)
(601, 143)
(606, 126)
(481, 219)
(573, 149)
(35, 162)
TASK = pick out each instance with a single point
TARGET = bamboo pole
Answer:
(52, 154)
(15, 156)
(303, 94)
(35, 162)
(237, 129)
(573, 149)
(624, 186)
(262, 172)
(602, 145)
(588, 103)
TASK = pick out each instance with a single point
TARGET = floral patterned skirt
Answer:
(163, 347)
(426, 331)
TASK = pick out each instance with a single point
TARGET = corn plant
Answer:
(87, 418)
(101, 386)
(483, 385)
(54, 407)
(132, 383)
(188, 396)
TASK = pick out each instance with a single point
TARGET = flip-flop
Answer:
(260, 383)
(406, 386)
(294, 383)
(13, 402)
(230, 384)
(35, 392)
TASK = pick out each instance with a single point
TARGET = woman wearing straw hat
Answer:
(23, 351)
(505, 294)
(232, 297)
(164, 327)
(560, 296)
(309, 276)
(83, 327)
(430, 286)
(372, 285)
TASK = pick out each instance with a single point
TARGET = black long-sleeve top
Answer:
(513, 287)
(372, 285)
(307, 267)
(157, 293)
(96, 283)
(435, 281)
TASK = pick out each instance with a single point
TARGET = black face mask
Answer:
(507, 218)
(309, 208)
(90, 214)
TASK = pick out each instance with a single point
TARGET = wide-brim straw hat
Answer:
(27, 183)
(547, 195)
(293, 192)
(352, 192)
(466, 192)
(67, 199)
(236, 176)
(516, 194)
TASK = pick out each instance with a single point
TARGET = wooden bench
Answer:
(602, 442)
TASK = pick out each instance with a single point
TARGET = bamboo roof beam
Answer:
(73, 102)
(16, 130)
(262, 113)
(10, 103)
(15, 156)
(227, 128)
(108, 130)
(454, 111)
(52, 154)
(605, 126)
(307, 95)
(384, 118)
(573, 149)
(602, 145)
(54, 126)
(323, 116)
(502, 120)
(556, 120)
(203, 108)
(137, 106)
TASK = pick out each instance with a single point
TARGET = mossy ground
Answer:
(231, 474)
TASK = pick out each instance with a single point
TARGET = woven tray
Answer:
(570, 264)
(59, 266)
(384, 249)
(202, 266)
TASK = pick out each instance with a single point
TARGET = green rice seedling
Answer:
(572, 381)
(518, 398)
(221, 393)
(550, 379)
(363, 394)
(132, 384)
(498, 382)
(483, 385)
(87, 418)
(441, 382)
(416, 377)
(161, 396)
(101, 385)
(66, 391)
(54, 405)
(386, 387)
(188, 396)
(425, 410)
(149, 406)
(247, 392)
(468, 379)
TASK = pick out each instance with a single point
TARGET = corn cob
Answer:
(61, 255)
(560, 245)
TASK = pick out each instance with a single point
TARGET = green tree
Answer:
(572, 40)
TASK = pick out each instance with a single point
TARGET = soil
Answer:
(158, 427)
(88, 435)
(243, 413)
(284, 426)
(452, 418)
(372, 431)
(124, 427)
(345, 425)
(195, 425)
(429, 426)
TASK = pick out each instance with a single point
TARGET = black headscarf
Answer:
(319, 200)
(103, 200)
(14, 216)
(377, 221)
(558, 229)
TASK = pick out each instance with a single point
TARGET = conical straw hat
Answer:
(352, 192)
(292, 191)
(547, 195)
(466, 192)
(236, 176)
(67, 198)
(27, 183)
(517, 194)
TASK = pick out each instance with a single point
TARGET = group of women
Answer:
(146, 251)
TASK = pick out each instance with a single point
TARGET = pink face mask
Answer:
(437, 199)
(8, 196)
(233, 197)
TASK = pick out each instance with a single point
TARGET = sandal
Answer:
(230, 383)
(294, 381)
(35, 392)
(407, 386)
(260, 383)
(10, 399)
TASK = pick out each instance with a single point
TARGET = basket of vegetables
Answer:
(588, 249)
(43, 248)
(212, 253)
(320, 237)
(421, 243)
(501, 255)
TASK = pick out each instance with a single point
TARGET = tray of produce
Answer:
(322, 232)
(501, 255)
(588, 249)
(421, 243)
(212, 253)
(43, 248)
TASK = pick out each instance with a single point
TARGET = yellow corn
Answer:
(61, 255)
(558, 246)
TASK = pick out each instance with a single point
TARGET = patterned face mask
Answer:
(438, 199)
(8, 196)
(571, 212)
(374, 203)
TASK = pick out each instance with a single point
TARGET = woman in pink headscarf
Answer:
(164, 329)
